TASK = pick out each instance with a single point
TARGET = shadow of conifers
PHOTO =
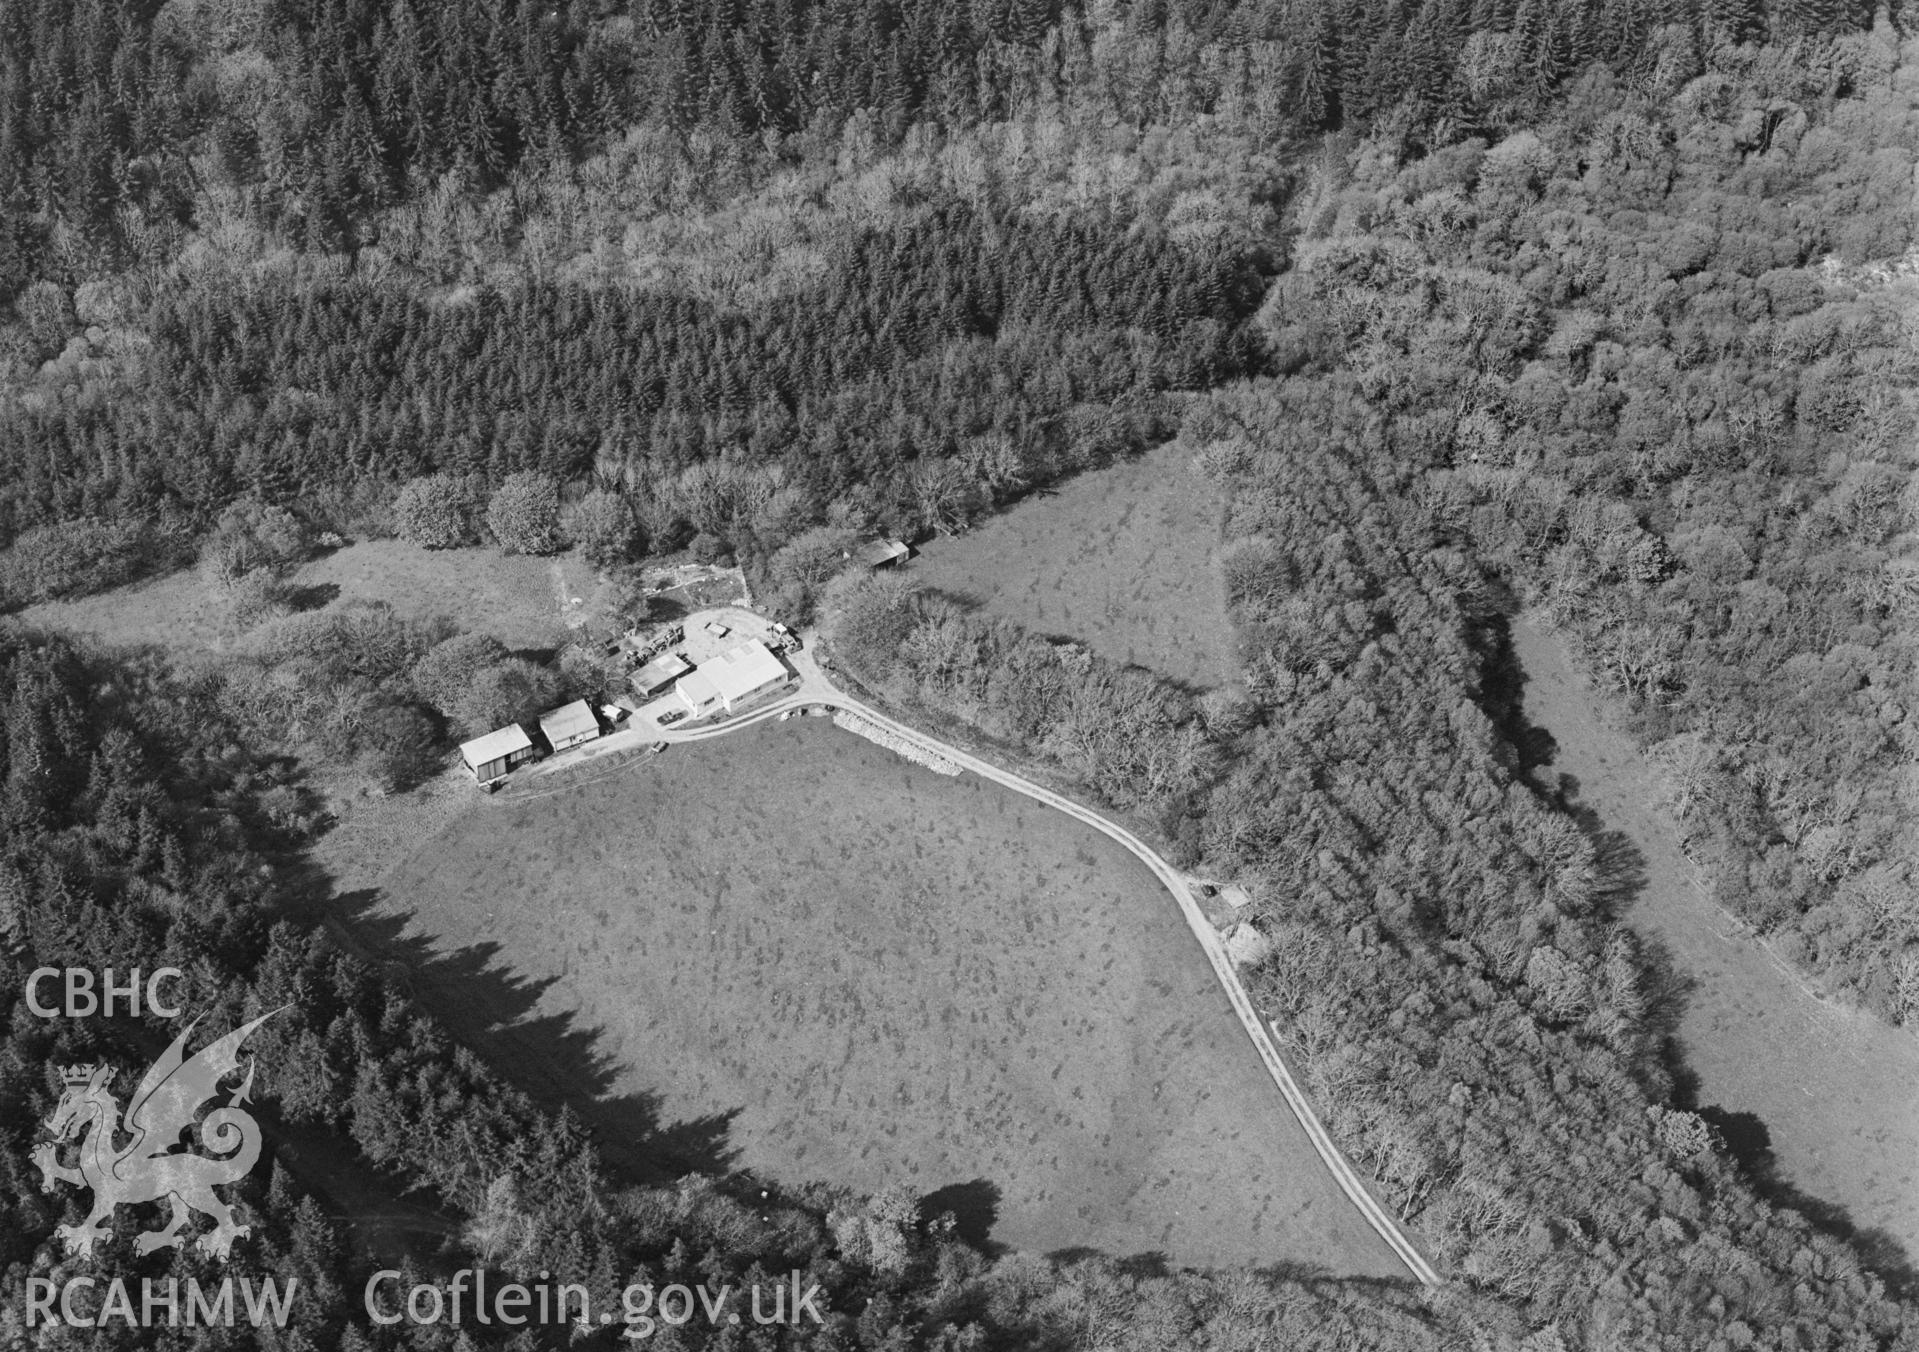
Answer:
(1620, 876)
(556, 1058)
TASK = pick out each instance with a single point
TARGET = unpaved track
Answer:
(1837, 1090)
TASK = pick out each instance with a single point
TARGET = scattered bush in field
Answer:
(440, 511)
(602, 525)
(257, 597)
(524, 514)
(478, 685)
(252, 535)
(78, 558)
(361, 641)
(447, 671)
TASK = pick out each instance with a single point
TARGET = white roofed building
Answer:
(569, 725)
(732, 679)
(492, 756)
(698, 693)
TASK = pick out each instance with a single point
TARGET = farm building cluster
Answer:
(732, 679)
(661, 670)
(494, 756)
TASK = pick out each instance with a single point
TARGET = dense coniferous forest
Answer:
(1462, 303)
(927, 365)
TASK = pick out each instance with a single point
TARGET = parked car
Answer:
(670, 717)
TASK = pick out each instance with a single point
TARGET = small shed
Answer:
(883, 553)
(1236, 896)
(569, 725)
(492, 756)
(1248, 946)
(656, 675)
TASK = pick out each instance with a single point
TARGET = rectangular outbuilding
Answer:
(569, 725)
(492, 756)
(698, 693)
(733, 678)
(656, 675)
(882, 553)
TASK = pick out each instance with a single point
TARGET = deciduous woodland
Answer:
(1601, 308)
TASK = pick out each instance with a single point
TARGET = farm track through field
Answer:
(814, 689)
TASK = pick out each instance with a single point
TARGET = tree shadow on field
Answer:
(1619, 866)
(1502, 695)
(974, 1208)
(1140, 1266)
(1745, 1138)
(1619, 877)
(314, 596)
(558, 1059)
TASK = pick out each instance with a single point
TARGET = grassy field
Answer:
(525, 602)
(521, 601)
(1824, 1096)
(1121, 559)
(793, 952)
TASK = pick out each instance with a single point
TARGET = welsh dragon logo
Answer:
(148, 1167)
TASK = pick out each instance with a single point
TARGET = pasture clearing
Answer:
(524, 602)
(1830, 1094)
(1122, 559)
(790, 951)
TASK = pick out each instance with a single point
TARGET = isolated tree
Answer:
(524, 515)
(446, 673)
(256, 597)
(252, 536)
(438, 511)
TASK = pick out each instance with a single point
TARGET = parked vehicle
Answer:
(670, 717)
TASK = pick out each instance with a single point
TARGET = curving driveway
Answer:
(814, 688)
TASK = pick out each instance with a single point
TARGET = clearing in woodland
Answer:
(1822, 1099)
(1122, 559)
(524, 602)
(792, 952)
